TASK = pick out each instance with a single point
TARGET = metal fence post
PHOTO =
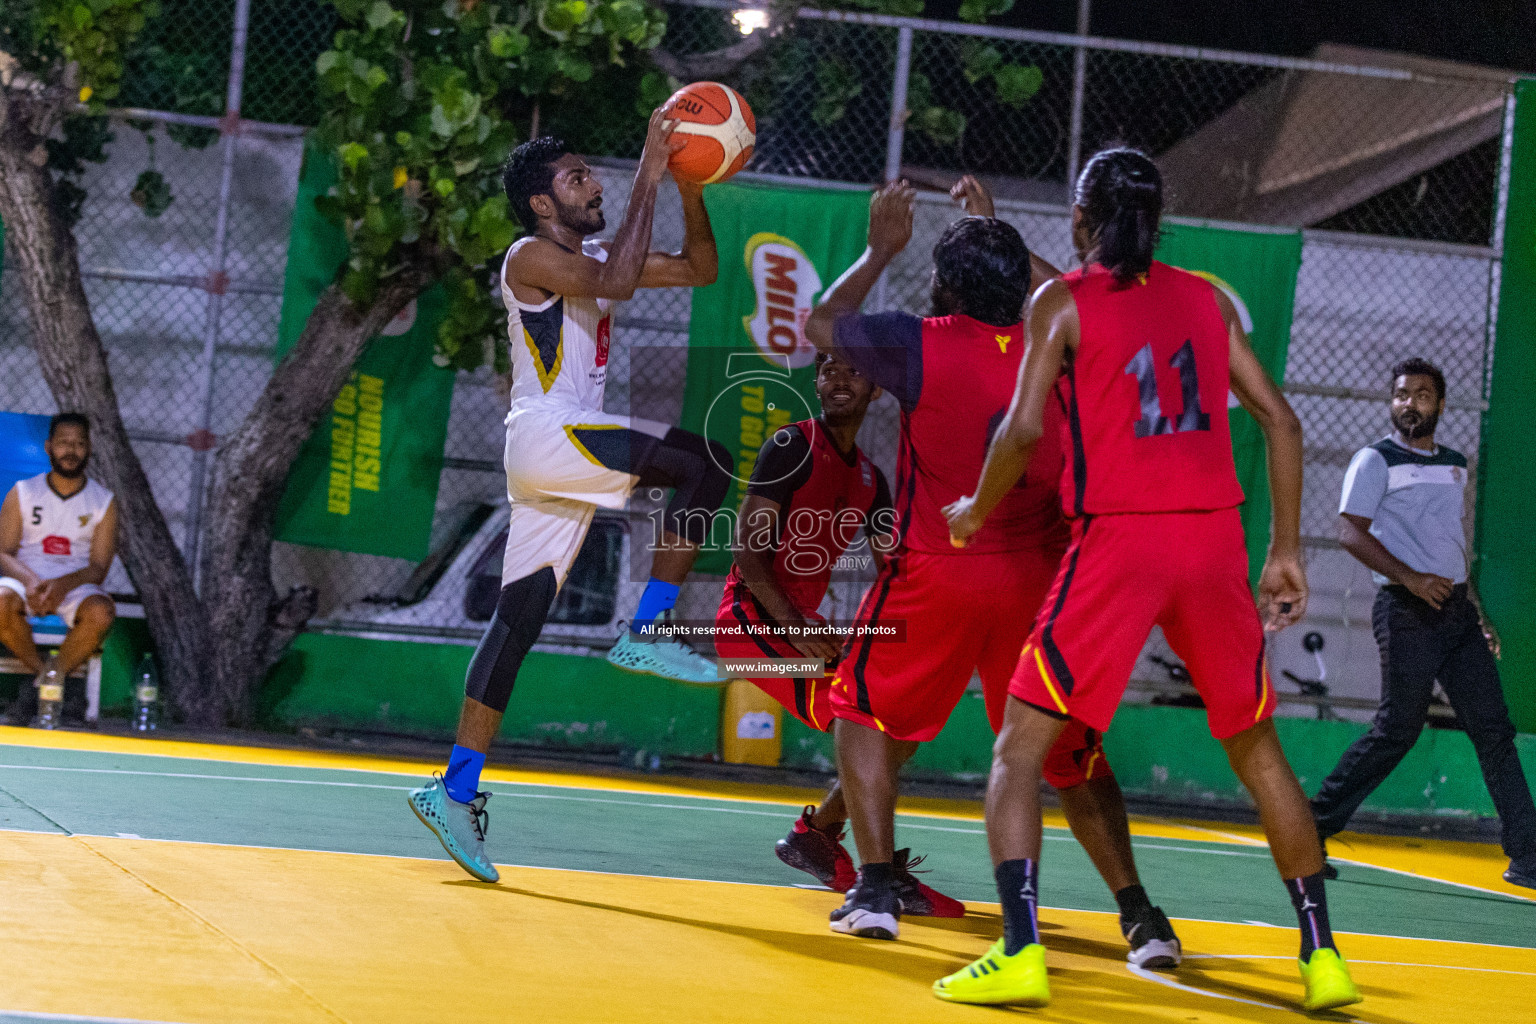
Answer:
(896, 134)
(1496, 265)
(1079, 82)
(202, 440)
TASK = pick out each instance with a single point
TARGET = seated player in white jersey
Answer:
(58, 536)
(565, 457)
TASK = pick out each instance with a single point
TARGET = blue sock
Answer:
(462, 779)
(659, 597)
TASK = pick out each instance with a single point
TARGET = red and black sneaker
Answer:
(917, 900)
(809, 849)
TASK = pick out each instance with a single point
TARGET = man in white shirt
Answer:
(58, 536)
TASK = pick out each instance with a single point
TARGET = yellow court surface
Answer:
(175, 882)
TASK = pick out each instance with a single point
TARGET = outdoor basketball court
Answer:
(177, 882)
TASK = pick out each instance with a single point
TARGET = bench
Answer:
(49, 631)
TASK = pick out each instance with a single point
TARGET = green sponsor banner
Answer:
(1257, 270)
(366, 480)
(749, 365)
(1505, 567)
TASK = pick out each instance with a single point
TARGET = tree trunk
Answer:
(252, 467)
(74, 364)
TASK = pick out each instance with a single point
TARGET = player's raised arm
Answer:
(1052, 328)
(1283, 584)
(556, 265)
(890, 229)
(698, 263)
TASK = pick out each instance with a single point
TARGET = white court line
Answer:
(1233, 837)
(1146, 975)
(722, 810)
(1410, 874)
(709, 881)
(578, 799)
(1384, 963)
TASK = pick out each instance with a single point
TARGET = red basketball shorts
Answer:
(1123, 574)
(807, 698)
(963, 614)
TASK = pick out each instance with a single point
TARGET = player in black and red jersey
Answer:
(1140, 356)
(964, 613)
(811, 495)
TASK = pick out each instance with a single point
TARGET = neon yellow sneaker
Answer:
(998, 978)
(1329, 985)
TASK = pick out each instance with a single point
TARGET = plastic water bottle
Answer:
(146, 696)
(50, 699)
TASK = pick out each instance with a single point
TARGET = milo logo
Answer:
(786, 283)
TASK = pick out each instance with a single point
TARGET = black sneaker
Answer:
(869, 912)
(917, 899)
(1153, 942)
(817, 853)
(1522, 872)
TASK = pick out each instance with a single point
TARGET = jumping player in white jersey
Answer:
(565, 457)
(58, 536)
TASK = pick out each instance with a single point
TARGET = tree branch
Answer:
(714, 64)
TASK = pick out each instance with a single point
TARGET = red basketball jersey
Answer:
(969, 370)
(1145, 396)
(825, 501)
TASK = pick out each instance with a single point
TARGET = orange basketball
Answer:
(719, 129)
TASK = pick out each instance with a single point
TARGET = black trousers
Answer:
(1418, 646)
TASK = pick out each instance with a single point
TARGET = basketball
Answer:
(719, 130)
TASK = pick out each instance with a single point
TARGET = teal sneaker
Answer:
(664, 656)
(460, 827)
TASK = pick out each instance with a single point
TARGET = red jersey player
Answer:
(962, 612)
(811, 493)
(1140, 356)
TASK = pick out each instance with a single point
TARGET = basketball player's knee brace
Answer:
(696, 467)
(519, 617)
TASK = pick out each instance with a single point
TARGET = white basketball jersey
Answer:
(56, 532)
(559, 348)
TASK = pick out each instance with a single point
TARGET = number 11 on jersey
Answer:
(1152, 422)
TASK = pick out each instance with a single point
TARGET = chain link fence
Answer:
(1392, 165)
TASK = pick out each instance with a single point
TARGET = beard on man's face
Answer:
(1414, 425)
(586, 218)
(69, 467)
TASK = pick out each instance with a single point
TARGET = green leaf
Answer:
(977, 11)
(151, 194)
(919, 91)
(655, 87)
(837, 84)
(380, 15)
(574, 66)
(1017, 85)
(443, 187)
(980, 62)
(327, 61)
(352, 154)
(506, 43)
(940, 124)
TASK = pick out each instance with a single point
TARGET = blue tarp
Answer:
(21, 447)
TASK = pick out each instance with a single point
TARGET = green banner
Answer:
(749, 365)
(1257, 270)
(366, 480)
(1505, 567)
